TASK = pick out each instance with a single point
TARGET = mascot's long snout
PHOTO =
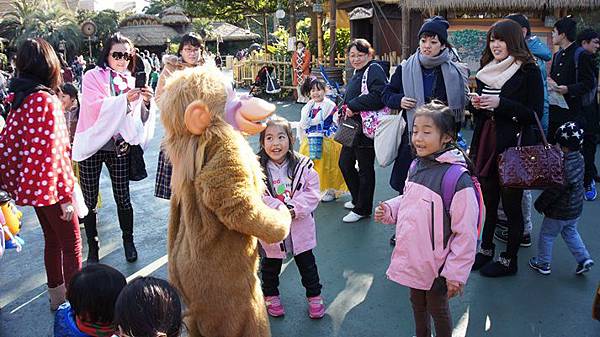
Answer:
(246, 113)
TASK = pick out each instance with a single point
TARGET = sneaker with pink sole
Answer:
(316, 307)
(274, 306)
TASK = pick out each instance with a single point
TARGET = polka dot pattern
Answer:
(35, 163)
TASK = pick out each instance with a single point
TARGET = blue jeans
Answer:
(568, 229)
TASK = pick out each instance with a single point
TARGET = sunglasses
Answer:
(117, 55)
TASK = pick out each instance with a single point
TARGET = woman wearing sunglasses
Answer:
(190, 54)
(114, 114)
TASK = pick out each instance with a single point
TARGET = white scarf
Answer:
(495, 74)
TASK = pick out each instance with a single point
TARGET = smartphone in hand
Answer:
(140, 79)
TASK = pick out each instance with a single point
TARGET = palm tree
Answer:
(47, 19)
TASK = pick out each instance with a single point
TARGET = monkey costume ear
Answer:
(197, 117)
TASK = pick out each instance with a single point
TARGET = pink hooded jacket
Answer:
(430, 242)
(305, 198)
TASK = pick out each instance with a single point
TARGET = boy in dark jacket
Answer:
(562, 206)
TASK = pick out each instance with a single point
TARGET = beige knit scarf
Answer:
(495, 74)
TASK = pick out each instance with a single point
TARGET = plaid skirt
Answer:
(162, 187)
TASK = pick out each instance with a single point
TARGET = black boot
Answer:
(91, 232)
(126, 223)
(483, 257)
(505, 266)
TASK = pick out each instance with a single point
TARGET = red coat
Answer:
(35, 153)
(305, 68)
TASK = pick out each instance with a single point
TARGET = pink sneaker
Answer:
(316, 308)
(274, 306)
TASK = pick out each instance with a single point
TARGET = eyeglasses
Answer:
(191, 50)
(117, 55)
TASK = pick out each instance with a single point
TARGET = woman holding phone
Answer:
(113, 116)
(509, 94)
(189, 54)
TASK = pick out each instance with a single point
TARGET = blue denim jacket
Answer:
(542, 54)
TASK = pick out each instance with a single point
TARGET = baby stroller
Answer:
(334, 93)
(265, 82)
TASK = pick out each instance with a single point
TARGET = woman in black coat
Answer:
(361, 183)
(509, 93)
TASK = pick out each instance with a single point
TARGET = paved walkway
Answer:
(352, 260)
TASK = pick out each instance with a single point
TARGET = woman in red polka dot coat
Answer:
(35, 163)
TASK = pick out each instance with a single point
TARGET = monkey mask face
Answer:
(245, 113)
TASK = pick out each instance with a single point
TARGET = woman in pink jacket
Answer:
(436, 243)
(291, 181)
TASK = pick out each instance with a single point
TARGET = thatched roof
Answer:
(500, 4)
(174, 16)
(149, 35)
(140, 20)
(229, 32)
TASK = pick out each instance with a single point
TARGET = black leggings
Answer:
(511, 201)
(270, 269)
(361, 182)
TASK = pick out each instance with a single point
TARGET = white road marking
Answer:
(355, 292)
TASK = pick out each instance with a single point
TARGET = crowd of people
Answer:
(98, 117)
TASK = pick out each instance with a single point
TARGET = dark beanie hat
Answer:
(436, 25)
(521, 20)
(566, 25)
(570, 135)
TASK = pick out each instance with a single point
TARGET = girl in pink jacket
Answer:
(291, 181)
(436, 245)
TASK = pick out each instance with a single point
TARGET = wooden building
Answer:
(393, 25)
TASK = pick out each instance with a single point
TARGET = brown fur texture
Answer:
(216, 214)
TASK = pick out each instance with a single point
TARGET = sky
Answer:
(105, 4)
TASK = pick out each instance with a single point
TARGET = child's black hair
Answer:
(149, 307)
(71, 90)
(93, 292)
(291, 156)
(443, 119)
(310, 83)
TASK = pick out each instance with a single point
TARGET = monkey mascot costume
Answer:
(217, 210)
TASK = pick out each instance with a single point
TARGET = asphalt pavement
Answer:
(352, 260)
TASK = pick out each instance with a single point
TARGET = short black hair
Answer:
(116, 38)
(93, 292)
(567, 26)
(300, 42)
(522, 20)
(148, 306)
(310, 83)
(587, 35)
(190, 39)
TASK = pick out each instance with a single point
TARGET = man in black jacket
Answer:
(589, 41)
(568, 77)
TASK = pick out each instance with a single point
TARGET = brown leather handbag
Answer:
(347, 131)
(532, 167)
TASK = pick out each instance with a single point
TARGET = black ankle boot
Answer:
(126, 223)
(130, 251)
(93, 252)
(91, 232)
(483, 257)
(505, 266)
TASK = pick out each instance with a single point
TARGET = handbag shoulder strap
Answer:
(364, 90)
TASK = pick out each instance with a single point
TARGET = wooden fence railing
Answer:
(245, 71)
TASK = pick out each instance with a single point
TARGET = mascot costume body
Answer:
(217, 210)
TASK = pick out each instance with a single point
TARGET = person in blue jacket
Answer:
(541, 53)
(90, 309)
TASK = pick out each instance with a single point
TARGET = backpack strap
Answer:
(364, 90)
(449, 181)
